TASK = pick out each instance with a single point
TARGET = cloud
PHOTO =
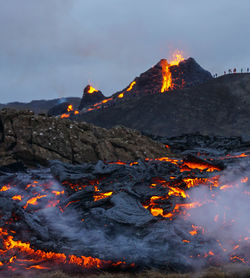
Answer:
(49, 45)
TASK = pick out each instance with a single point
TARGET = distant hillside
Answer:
(40, 106)
(220, 106)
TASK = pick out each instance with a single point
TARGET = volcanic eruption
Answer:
(165, 76)
(184, 211)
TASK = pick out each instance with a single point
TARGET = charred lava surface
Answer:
(177, 214)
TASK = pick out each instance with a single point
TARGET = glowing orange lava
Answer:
(5, 188)
(40, 257)
(91, 90)
(131, 86)
(33, 201)
(70, 108)
(166, 73)
(102, 196)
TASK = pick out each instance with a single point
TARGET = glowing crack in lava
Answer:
(166, 73)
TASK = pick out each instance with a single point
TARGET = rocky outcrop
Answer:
(36, 139)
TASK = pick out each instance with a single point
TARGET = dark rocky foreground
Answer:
(218, 107)
(36, 139)
(176, 214)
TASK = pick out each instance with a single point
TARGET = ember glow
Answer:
(166, 73)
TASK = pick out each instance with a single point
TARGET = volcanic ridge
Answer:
(171, 99)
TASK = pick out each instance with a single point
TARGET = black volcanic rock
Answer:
(89, 99)
(220, 106)
(188, 73)
(36, 139)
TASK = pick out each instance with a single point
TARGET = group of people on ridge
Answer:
(232, 71)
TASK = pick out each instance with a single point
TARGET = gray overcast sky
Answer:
(53, 48)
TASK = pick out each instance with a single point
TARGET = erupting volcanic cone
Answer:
(90, 97)
(166, 76)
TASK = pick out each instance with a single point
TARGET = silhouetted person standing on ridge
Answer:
(247, 70)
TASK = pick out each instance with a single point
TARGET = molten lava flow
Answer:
(131, 86)
(201, 166)
(167, 82)
(64, 116)
(102, 196)
(39, 257)
(33, 200)
(17, 197)
(118, 162)
(70, 111)
(70, 108)
(5, 188)
(167, 159)
(98, 105)
(168, 197)
(91, 90)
